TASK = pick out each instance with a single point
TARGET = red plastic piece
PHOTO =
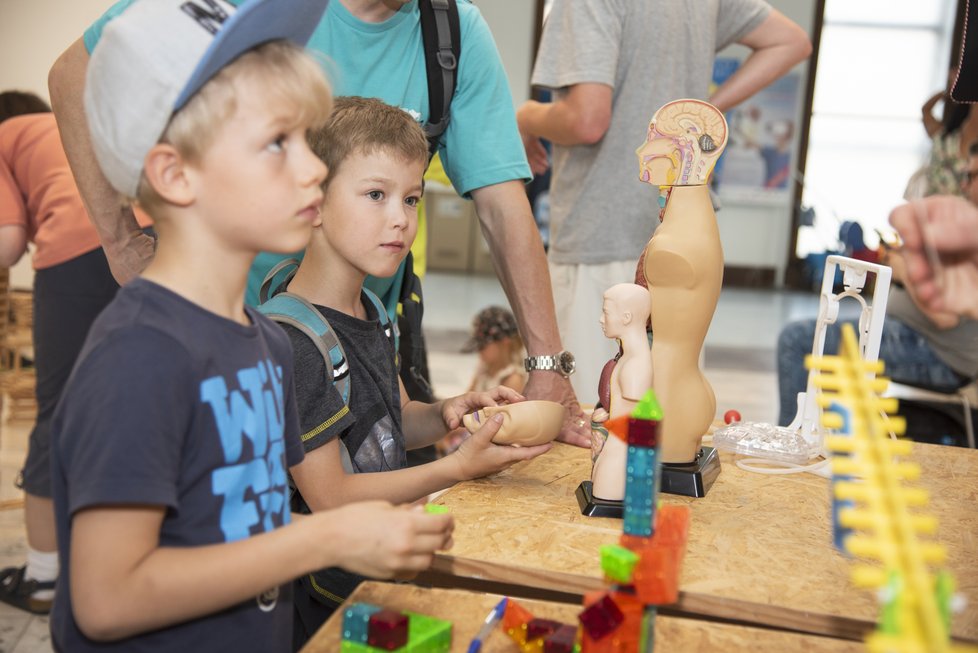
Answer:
(561, 640)
(731, 416)
(388, 630)
(541, 628)
(601, 617)
(643, 432)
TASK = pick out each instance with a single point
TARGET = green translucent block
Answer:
(617, 563)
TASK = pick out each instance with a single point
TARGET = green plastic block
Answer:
(944, 590)
(427, 635)
(617, 563)
(648, 407)
(435, 509)
(347, 646)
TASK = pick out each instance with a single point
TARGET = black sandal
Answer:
(19, 592)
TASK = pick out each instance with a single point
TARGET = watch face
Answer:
(566, 362)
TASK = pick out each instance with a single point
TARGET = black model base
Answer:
(694, 479)
(594, 507)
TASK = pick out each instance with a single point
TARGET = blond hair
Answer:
(363, 126)
(284, 70)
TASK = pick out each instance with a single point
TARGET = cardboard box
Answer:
(481, 258)
(451, 221)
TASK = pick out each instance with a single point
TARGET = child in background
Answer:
(376, 155)
(497, 339)
(172, 440)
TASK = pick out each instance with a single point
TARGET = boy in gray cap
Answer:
(172, 441)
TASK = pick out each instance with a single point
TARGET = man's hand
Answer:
(548, 385)
(940, 248)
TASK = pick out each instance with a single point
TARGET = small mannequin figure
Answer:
(525, 424)
(623, 317)
(683, 266)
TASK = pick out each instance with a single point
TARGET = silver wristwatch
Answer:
(562, 362)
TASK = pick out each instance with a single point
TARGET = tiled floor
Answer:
(739, 361)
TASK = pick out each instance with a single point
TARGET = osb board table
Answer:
(759, 549)
(467, 610)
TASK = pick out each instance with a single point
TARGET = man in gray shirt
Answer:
(611, 64)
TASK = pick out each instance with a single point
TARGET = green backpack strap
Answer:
(295, 311)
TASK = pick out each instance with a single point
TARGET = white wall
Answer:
(756, 234)
(511, 22)
(32, 35)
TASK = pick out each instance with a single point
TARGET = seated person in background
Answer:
(376, 156)
(171, 442)
(922, 344)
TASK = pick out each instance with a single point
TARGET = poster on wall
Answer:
(759, 159)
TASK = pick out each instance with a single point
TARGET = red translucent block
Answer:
(561, 640)
(601, 617)
(388, 630)
(541, 628)
(643, 432)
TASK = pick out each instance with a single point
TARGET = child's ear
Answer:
(166, 172)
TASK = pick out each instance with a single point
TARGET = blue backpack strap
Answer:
(266, 284)
(295, 311)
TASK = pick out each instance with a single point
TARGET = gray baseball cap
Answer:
(153, 57)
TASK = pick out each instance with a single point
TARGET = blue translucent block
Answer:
(641, 488)
(356, 622)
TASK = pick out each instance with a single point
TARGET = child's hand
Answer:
(383, 541)
(477, 456)
(454, 409)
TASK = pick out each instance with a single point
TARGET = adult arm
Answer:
(579, 117)
(123, 583)
(519, 259)
(127, 248)
(13, 244)
(778, 43)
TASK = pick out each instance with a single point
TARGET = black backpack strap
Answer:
(442, 37)
(413, 358)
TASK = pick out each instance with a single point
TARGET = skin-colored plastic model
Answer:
(525, 424)
(623, 317)
(683, 266)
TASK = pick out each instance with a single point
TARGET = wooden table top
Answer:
(759, 547)
(467, 610)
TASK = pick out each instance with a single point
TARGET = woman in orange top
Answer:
(40, 204)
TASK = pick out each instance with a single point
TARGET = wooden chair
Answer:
(16, 382)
